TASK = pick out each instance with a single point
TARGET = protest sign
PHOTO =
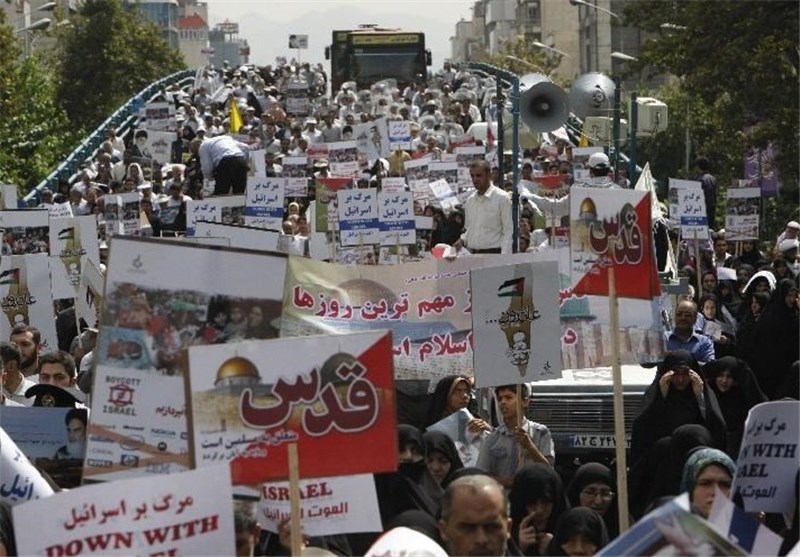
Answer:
(515, 323)
(742, 214)
(444, 194)
(372, 139)
(295, 172)
(296, 97)
(468, 443)
(182, 514)
(330, 394)
(257, 166)
(580, 162)
(227, 210)
(328, 506)
(159, 143)
(8, 196)
(160, 115)
(393, 185)
(72, 242)
(343, 158)
(160, 297)
(90, 293)
(671, 529)
(396, 218)
(26, 297)
(611, 228)
(20, 481)
(25, 231)
(121, 213)
(263, 206)
(399, 132)
(53, 438)
(417, 172)
(358, 216)
(326, 203)
(674, 187)
(244, 237)
(741, 528)
(767, 464)
(60, 210)
(692, 212)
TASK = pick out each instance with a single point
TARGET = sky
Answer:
(267, 24)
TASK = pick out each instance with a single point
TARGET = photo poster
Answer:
(372, 139)
(611, 228)
(742, 214)
(26, 297)
(190, 513)
(160, 116)
(25, 231)
(121, 214)
(297, 98)
(399, 132)
(580, 161)
(20, 481)
(73, 241)
(331, 395)
(767, 464)
(468, 443)
(89, 300)
(674, 187)
(242, 237)
(295, 171)
(692, 211)
(326, 211)
(515, 323)
(227, 210)
(396, 218)
(444, 194)
(465, 155)
(257, 165)
(264, 202)
(444, 171)
(53, 438)
(417, 174)
(358, 217)
(161, 297)
(328, 506)
(343, 159)
(159, 144)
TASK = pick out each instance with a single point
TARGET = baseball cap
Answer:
(598, 160)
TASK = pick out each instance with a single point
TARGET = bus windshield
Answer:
(369, 66)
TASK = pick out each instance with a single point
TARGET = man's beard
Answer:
(76, 449)
(27, 363)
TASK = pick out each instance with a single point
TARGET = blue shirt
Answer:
(699, 345)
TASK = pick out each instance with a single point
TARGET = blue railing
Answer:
(121, 120)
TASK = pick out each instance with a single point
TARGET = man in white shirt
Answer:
(226, 161)
(13, 383)
(487, 215)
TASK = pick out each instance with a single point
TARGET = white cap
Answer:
(598, 160)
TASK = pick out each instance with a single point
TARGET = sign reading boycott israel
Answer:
(332, 395)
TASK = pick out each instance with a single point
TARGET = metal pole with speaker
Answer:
(543, 105)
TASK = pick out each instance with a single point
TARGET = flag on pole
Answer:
(236, 121)
(584, 139)
(739, 527)
(67, 233)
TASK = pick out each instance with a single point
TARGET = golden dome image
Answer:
(588, 209)
(236, 368)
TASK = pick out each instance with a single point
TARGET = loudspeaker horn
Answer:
(543, 105)
(592, 94)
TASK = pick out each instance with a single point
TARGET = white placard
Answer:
(358, 216)
(227, 210)
(264, 202)
(396, 216)
(20, 481)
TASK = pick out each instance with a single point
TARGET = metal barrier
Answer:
(121, 120)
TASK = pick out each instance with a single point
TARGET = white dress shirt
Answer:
(217, 148)
(487, 219)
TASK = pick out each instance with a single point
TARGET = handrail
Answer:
(120, 119)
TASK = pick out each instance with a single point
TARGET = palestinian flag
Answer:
(67, 234)
(512, 287)
(9, 277)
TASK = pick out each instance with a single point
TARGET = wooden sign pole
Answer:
(698, 271)
(520, 450)
(621, 440)
(294, 498)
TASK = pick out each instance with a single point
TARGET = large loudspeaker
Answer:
(592, 94)
(543, 105)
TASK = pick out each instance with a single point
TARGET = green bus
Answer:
(369, 54)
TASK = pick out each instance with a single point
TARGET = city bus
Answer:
(371, 54)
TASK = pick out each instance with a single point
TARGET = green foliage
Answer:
(35, 134)
(107, 55)
(737, 62)
(519, 56)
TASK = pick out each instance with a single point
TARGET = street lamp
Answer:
(624, 57)
(594, 7)
(526, 63)
(37, 25)
(672, 27)
(537, 44)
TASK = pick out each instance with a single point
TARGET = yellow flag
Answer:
(584, 140)
(236, 121)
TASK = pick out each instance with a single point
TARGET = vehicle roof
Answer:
(598, 380)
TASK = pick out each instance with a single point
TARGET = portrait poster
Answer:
(160, 298)
(264, 201)
(73, 241)
(190, 513)
(767, 465)
(331, 395)
(20, 481)
(742, 213)
(25, 231)
(160, 145)
(227, 210)
(611, 228)
(372, 139)
(26, 297)
(515, 323)
(328, 506)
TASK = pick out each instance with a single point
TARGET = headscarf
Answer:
(438, 441)
(580, 520)
(532, 483)
(743, 394)
(699, 460)
(589, 473)
(441, 394)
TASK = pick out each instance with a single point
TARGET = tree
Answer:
(35, 134)
(738, 64)
(518, 56)
(107, 55)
